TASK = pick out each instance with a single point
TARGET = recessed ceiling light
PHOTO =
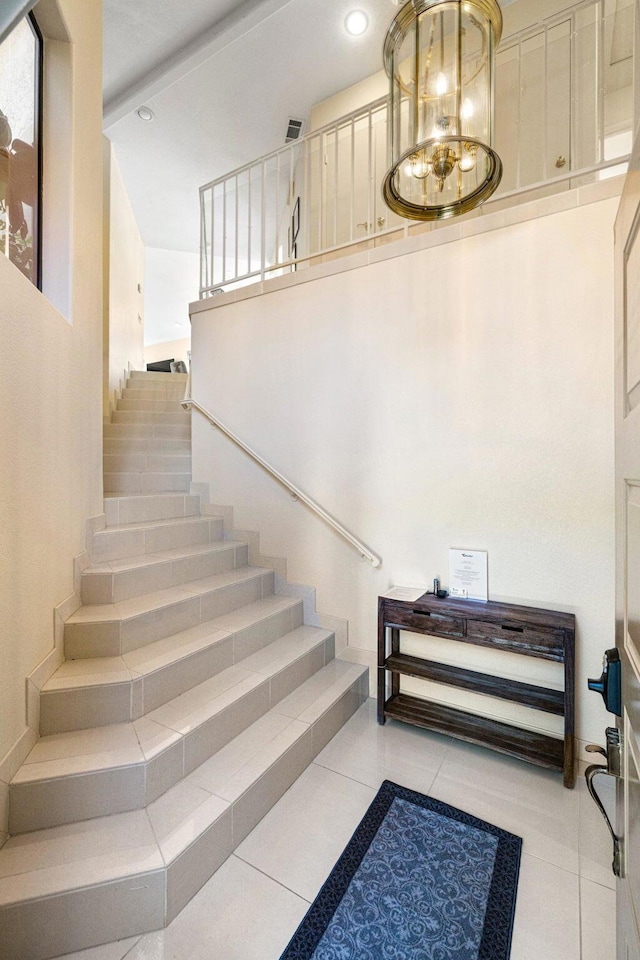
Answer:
(356, 23)
(145, 113)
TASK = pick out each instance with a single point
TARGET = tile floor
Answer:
(252, 905)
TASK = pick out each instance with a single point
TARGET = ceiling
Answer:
(222, 78)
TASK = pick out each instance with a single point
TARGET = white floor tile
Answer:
(547, 832)
(598, 921)
(547, 922)
(301, 838)
(240, 914)
(251, 907)
(117, 950)
(370, 753)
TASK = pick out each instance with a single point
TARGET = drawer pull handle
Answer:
(513, 629)
(422, 613)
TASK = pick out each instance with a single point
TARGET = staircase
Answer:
(191, 699)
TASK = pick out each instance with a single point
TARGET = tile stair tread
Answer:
(167, 394)
(161, 653)
(148, 496)
(126, 609)
(148, 473)
(184, 458)
(57, 860)
(215, 774)
(162, 556)
(126, 744)
(143, 447)
(124, 430)
(127, 444)
(124, 416)
(149, 399)
(54, 872)
(157, 375)
(144, 524)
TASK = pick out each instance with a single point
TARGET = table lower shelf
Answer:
(546, 751)
(530, 695)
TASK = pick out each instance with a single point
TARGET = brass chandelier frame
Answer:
(446, 150)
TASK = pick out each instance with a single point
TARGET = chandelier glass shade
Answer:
(439, 57)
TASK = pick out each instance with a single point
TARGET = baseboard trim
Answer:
(284, 588)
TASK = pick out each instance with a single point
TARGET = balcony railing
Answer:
(564, 116)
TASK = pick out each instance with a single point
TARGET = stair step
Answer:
(109, 630)
(95, 772)
(154, 404)
(178, 417)
(136, 483)
(112, 877)
(94, 692)
(119, 580)
(198, 697)
(153, 536)
(152, 376)
(159, 431)
(153, 391)
(79, 885)
(139, 508)
(147, 446)
(147, 461)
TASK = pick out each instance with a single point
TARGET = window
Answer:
(20, 154)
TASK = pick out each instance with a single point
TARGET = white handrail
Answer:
(188, 403)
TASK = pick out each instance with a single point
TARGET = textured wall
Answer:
(51, 401)
(124, 303)
(460, 396)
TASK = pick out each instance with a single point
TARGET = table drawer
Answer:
(533, 641)
(399, 615)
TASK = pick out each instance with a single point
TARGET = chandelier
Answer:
(439, 56)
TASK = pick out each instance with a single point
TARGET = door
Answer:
(627, 389)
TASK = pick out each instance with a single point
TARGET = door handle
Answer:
(612, 769)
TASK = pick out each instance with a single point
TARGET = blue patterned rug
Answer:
(419, 880)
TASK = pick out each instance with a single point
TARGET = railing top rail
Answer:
(347, 118)
(507, 195)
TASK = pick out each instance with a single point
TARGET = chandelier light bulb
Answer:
(419, 167)
(441, 85)
(356, 23)
(467, 110)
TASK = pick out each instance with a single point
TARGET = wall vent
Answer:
(294, 130)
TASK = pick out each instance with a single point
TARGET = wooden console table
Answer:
(500, 626)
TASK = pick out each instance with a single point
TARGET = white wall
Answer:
(368, 90)
(172, 281)
(170, 349)
(460, 396)
(51, 399)
(124, 287)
